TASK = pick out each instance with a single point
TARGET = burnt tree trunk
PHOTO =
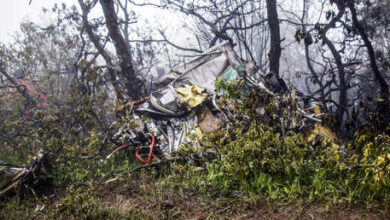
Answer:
(275, 51)
(132, 83)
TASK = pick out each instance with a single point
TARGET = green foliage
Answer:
(66, 133)
(264, 156)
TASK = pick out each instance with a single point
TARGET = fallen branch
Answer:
(308, 116)
(155, 164)
(28, 176)
(2, 164)
(223, 210)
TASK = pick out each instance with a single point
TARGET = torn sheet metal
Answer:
(167, 102)
(175, 107)
(175, 131)
(201, 72)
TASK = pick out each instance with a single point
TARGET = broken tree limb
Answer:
(308, 116)
(155, 164)
(28, 176)
(2, 164)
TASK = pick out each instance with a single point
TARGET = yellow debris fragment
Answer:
(192, 95)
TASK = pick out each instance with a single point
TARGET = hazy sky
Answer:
(13, 12)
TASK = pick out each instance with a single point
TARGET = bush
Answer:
(260, 156)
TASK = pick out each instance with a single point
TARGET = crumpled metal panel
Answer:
(167, 101)
(204, 75)
(174, 130)
(201, 72)
(222, 52)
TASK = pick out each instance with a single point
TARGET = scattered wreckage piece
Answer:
(185, 103)
(21, 178)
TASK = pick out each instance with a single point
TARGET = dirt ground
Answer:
(157, 202)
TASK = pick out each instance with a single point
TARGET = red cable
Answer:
(139, 157)
(116, 150)
(137, 102)
(150, 152)
(151, 148)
